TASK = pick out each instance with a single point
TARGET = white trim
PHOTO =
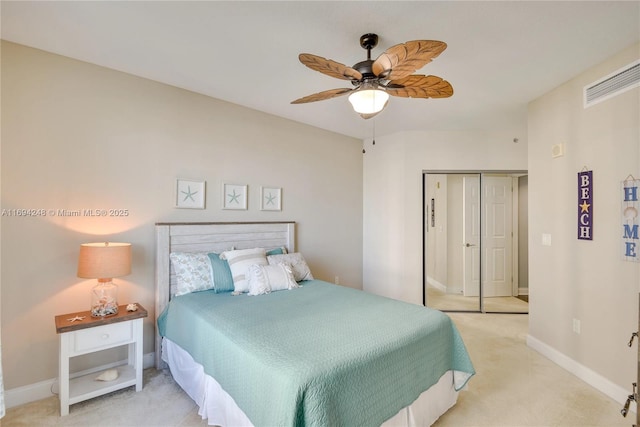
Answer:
(433, 282)
(592, 378)
(523, 291)
(44, 389)
(515, 233)
(28, 393)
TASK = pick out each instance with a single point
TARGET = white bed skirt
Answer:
(219, 409)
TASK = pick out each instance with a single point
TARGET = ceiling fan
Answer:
(389, 74)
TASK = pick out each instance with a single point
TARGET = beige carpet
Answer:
(514, 386)
(160, 403)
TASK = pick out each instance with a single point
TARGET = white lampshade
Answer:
(368, 101)
(104, 260)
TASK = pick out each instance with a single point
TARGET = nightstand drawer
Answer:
(103, 336)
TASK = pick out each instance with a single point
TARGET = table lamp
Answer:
(104, 261)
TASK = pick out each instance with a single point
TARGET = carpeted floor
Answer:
(514, 387)
(161, 402)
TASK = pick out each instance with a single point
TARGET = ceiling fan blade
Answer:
(404, 59)
(320, 96)
(420, 86)
(329, 67)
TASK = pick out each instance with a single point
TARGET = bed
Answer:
(312, 354)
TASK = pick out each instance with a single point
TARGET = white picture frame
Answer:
(234, 196)
(270, 198)
(190, 194)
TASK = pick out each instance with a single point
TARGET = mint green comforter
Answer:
(320, 355)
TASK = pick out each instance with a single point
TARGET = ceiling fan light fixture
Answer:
(368, 101)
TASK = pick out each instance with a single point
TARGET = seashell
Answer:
(132, 307)
(108, 375)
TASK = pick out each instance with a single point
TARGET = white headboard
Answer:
(209, 237)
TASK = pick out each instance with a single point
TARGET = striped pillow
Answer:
(239, 262)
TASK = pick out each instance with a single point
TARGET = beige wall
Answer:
(79, 136)
(393, 196)
(576, 279)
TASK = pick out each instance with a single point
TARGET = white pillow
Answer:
(298, 264)
(264, 279)
(193, 272)
(239, 261)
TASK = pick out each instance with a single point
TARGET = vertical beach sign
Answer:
(630, 221)
(585, 205)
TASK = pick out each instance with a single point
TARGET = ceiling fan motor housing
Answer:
(367, 41)
(365, 68)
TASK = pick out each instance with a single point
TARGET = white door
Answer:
(471, 233)
(497, 236)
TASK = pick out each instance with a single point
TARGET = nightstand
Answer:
(92, 334)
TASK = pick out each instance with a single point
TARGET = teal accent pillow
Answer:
(277, 251)
(220, 274)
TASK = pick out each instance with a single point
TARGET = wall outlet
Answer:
(546, 239)
(337, 280)
(576, 326)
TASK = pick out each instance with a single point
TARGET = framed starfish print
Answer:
(234, 196)
(270, 198)
(190, 194)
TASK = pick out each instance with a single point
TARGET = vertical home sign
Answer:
(585, 205)
(630, 221)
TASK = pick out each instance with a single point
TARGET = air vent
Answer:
(614, 84)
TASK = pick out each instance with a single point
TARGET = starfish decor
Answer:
(188, 194)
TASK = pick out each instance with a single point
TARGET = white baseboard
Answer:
(43, 389)
(433, 282)
(592, 378)
(28, 393)
(523, 291)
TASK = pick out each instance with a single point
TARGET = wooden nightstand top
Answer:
(63, 324)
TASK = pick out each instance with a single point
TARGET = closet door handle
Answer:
(469, 245)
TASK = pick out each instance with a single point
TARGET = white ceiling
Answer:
(500, 55)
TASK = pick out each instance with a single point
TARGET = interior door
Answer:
(497, 277)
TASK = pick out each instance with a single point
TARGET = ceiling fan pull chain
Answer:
(373, 138)
(374, 132)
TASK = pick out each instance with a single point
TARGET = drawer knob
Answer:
(105, 336)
